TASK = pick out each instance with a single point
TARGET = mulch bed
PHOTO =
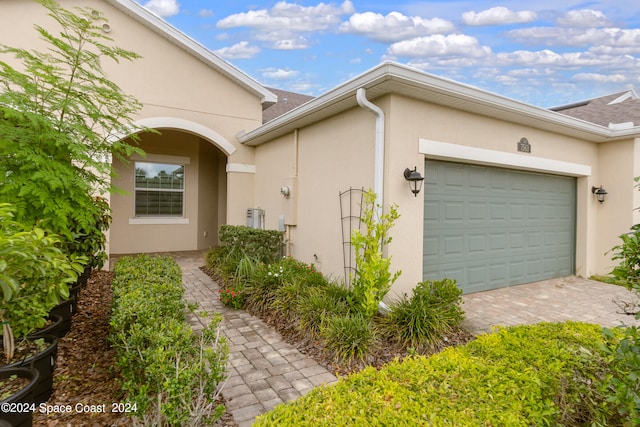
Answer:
(85, 373)
(84, 377)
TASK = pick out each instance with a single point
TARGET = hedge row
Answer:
(543, 375)
(168, 372)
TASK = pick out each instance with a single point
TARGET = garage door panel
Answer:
(493, 227)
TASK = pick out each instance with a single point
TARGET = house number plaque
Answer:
(524, 146)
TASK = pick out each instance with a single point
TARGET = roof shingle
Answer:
(617, 108)
(287, 101)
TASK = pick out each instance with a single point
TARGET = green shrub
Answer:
(170, 373)
(264, 284)
(624, 353)
(348, 337)
(237, 242)
(517, 376)
(623, 349)
(34, 277)
(433, 311)
(318, 305)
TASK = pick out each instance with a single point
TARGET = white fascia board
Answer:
(391, 71)
(340, 92)
(165, 29)
(438, 150)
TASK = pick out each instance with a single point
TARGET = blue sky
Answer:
(543, 52)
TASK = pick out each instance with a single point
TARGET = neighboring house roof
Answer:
(287, 101)
(164, 29)
(617, 111)
(390, 77)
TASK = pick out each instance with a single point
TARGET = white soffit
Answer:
(462, 153)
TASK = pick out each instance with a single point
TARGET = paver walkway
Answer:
(555, 300)
(265, 371)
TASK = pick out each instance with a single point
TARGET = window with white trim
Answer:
(159, 189)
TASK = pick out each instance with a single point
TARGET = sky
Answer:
(544, 52)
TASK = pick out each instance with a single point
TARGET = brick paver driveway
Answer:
(567, 298)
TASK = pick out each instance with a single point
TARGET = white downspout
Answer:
(378, 162)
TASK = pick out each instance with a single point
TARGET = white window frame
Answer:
(161, 220)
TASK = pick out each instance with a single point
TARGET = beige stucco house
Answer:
(507, 195)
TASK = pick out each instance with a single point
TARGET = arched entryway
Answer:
(173, 198)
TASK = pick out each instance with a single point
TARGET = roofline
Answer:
(469, 95)
(162, 27)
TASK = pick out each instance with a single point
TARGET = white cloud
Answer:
(394, 26)
(242, 50)
(600, 78)
(291, 16)
(291, 44)
(205, 13)
(163, 8)
(548, 58)
(279, 74)
(601, 40)
(497, 16)
(440, 46)
(283, 40)
(584, 18)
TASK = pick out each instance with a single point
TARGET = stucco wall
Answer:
(338, 152)
(615, 216)
(332, 156)
(172, 84)
(611, 165)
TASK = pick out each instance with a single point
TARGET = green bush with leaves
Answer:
(34, 277)
(624, 351)
(60, 118)
(432, 312)
(238, 242)
(373, 278)
(263, 285)
(627, 253)
(170, 373)
(545, 374)
(348, 337)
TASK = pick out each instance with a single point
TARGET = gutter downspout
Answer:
(378, 162)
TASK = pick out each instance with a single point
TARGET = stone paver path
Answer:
(264, 371)
(555, 300)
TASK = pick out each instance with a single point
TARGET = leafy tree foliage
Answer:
(61, 120)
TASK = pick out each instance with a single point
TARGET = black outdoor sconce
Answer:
(415, 180)
(599, 192)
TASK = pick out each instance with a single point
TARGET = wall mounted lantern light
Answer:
(415, 180)
(599, 192)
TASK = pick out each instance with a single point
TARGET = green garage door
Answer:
(491, 227)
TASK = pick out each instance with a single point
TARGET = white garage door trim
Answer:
(437, 150)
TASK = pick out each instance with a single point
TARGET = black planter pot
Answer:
(20, 417)
(44, 362)
(65, 309)
(56, 328)
(74, 292)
